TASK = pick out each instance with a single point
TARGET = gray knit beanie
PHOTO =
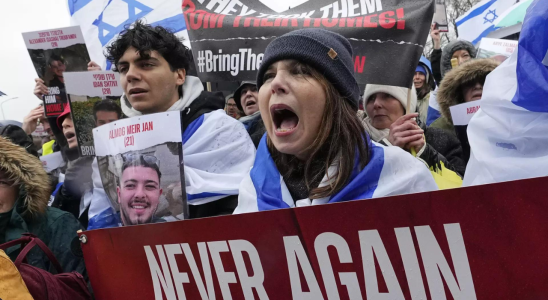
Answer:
(328, 52)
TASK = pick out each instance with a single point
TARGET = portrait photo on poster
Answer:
(144, 186)
(141, 168)
(54, 52)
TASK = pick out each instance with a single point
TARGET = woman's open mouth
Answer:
(284, 119)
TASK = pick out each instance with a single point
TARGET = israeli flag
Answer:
(507, 135)
(433, 108)
(480, 19)
(390, 171)
(102, 20)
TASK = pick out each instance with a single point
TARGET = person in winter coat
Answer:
(316, 150)
(386, 122)
(423, 82)
(217, 150)
(441, 60)
(246, 97)
(24, 195)
(464, 84)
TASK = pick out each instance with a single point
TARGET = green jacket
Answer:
(443, 123)
(31, 214)
(56, 228)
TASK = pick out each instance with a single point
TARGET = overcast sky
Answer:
(16, 71)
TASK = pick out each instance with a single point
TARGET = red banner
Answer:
(484, 242)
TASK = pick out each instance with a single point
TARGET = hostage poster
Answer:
(94, 99)
(228, 38)
(141, 165)
(54, 52)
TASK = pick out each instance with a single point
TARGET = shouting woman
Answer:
(316, 150)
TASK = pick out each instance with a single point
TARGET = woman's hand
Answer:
(406, 134)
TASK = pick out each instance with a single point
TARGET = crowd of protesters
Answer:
(294, 137)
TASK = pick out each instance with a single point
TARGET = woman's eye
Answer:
(268, 76)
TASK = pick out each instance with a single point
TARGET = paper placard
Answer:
(137, 133)
(52, 161)
(496, 48)
(94, 100)
(463, 113)
(54, 52)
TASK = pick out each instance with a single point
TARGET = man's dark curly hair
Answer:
(146, 38)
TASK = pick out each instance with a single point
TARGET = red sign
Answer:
(484, 242)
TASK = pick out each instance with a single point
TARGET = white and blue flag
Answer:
(507, 135)
(102, 20)
(389, 172)
(480, 19)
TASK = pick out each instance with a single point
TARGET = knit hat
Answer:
(62, 116)
(397, 92)
(328, 52)
(238, 93)
(420, 68)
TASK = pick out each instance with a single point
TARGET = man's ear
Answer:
(118, 192)
(181, 76)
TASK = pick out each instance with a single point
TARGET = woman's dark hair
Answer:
(146, 38)
(424, 90)
(341, 140)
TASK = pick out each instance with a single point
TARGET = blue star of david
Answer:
(132, 5)
(490, 16)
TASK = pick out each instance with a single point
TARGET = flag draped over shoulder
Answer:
(264, 188)
(480, 19)
(508, 134)
(102, 20)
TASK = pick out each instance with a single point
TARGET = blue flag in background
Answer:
(480, 19)
(102, 20)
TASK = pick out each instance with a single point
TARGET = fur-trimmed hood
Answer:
(27, 171)
(450, 93)
(451, 48)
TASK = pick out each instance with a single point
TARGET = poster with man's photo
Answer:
(54, 52)
(94, 99)
(141, 165)
(496, 49)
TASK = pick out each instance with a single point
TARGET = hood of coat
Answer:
(450, 92)
(27, 171)
(451, 48)
(192, 88)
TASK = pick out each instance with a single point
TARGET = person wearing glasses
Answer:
(139, 190)
(246, 98)
(231, 108)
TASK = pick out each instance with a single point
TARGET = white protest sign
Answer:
(52, 161)
(54, 38)
(463, 113)
(93, 84)
(496, 48)
(137, 133)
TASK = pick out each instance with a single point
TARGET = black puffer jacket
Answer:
(444, 147)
